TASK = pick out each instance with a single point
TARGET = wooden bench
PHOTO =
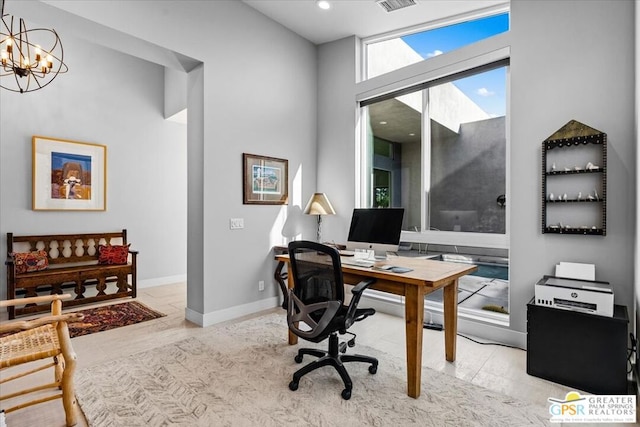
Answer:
(72, 265)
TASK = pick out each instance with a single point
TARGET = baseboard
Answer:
(211, 318)
(160, 281)
(389, 305)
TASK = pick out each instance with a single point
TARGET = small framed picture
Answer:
(68, 175)
(265, 180)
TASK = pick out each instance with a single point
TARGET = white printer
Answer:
(587, 296)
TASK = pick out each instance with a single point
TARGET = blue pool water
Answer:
(492, 271)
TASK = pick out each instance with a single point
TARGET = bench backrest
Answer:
(66, 248)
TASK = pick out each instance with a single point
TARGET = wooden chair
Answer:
(37, 339)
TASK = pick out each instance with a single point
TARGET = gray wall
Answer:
(569, 60)
(637, 128)
(263, 94)
(337, 114)
(254, 93)
(101, 101)
(555, 77)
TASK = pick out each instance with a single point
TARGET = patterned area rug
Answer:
(238, 375)
(112, 316)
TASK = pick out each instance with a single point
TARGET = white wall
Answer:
(258, 96)
(100, 100)
(569, 60)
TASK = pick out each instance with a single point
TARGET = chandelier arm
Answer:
(32, 66)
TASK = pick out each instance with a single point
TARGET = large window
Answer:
(444, 156)
(438, 147)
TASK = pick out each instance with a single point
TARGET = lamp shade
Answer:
(319, 204)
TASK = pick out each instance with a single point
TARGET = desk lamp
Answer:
(319, 205)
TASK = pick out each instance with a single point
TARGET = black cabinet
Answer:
(579, 350)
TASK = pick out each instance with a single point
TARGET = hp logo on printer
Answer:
(574, 295)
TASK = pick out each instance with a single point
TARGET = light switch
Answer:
(236, 223)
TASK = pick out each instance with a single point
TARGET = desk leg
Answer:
(280, 278)
(293, 338)
(414, 317)
(450, 319)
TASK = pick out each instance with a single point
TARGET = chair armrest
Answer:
(33, 300)
(24, 325)
(353, 305)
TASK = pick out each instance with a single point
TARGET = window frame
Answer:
(427, 26)
(475, 56)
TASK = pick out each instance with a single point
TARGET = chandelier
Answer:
(26, 66)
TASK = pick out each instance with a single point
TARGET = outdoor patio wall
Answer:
(569, 60)
(100, 100)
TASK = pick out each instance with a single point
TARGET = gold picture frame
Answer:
(265, 180)
(68, 175)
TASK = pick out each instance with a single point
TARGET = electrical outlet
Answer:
(236, 223)
(261, 285)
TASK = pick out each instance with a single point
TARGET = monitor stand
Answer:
(380, 255)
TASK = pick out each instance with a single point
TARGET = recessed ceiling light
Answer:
(323, 4)
(383, 123)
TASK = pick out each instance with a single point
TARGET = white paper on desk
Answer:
(574, 270)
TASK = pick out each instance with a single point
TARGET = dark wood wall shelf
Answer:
(574, 181)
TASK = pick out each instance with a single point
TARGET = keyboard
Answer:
(358, 262)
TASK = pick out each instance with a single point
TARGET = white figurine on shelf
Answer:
(552, 196)
(564, 196)
(553, 166)
(591, 166)
(580, 195)
(595, 192)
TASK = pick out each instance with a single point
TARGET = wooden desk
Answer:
(426, 277)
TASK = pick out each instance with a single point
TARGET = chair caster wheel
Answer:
(298, 359)
(346, 394)
(373, 369)
(293, 386)
(351, 343)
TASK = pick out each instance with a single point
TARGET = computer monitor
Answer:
(376, 229)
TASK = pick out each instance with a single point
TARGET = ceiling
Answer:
(363, 18)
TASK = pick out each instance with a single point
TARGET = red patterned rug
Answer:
(112, 316)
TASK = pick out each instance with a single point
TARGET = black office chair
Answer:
(316, 310)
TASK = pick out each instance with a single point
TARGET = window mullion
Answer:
(426, 161)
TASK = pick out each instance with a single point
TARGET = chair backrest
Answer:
(318, 291)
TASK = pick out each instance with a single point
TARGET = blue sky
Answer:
(486, 89)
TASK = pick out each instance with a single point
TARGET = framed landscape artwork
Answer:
(68, 175)
(265, 180)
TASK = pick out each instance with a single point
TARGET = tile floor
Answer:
(495, 367)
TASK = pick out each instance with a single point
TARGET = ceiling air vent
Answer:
(391, 5)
